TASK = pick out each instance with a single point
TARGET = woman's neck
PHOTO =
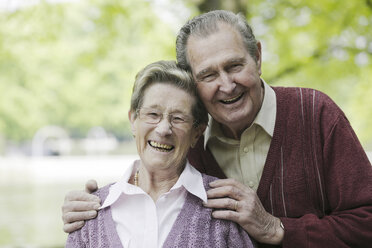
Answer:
(156, 183)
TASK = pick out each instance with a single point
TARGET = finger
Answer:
(225, 182)
(221, 203)
(70, 227)
(71, 217)
(226, 192)
(226, 215)
(91, 186)
(81, 196)
(79, 206)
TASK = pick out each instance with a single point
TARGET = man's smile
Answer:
(232, 100)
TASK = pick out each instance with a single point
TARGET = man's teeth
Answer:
(231, 100)
(161, 146)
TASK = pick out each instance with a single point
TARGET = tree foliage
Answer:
(73, 64)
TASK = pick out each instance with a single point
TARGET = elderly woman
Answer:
(158, 202)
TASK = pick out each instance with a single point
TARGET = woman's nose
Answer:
(164, 127)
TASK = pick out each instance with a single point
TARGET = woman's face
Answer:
(164, 145)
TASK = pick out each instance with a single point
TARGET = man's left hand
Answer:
(234, 201)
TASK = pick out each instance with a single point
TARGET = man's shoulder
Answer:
(286, 94)
(305, 103)
(295, 90)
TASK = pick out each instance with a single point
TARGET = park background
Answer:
(67, 68)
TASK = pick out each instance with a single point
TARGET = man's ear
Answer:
(132, 119)
(259, 57)
(199, 130)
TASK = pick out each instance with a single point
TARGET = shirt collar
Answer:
(265, 118)
(190, 179)
(267, 115)
(122, 186)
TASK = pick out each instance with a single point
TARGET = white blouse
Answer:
(141, 222)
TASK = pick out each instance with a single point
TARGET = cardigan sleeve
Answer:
(347, 172)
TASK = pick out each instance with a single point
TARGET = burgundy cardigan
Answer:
(194, 227)
(317, 177)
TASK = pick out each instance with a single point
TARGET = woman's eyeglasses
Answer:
(154, 116)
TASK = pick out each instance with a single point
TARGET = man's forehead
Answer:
(201, 62)
(225, 31)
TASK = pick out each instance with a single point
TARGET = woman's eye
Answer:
(178, 119)
(152, 115)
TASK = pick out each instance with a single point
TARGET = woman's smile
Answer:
(160, 146)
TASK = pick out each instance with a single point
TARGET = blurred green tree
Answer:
(73, 64)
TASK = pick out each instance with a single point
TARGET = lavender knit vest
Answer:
(194, 227)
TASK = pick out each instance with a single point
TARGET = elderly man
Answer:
(298, 176)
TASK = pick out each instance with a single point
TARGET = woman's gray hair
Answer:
(170, 73)
(207, 24)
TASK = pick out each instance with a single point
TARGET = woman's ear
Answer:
(132, 119)
(198, 131)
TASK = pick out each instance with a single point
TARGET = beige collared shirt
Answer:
(244, 159)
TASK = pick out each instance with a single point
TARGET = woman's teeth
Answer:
(160, 147)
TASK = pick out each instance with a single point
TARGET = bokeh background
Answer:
(67, 68)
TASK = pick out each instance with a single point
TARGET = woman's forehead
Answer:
(167, 96)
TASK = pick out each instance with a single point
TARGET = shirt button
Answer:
(251, 184)
(245, 149)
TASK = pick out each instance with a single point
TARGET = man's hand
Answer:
(80, 206)
(239, 203)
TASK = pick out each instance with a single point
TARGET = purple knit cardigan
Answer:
(194, 227)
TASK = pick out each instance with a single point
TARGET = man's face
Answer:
(227, 77)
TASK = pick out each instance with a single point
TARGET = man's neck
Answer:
(234, 132)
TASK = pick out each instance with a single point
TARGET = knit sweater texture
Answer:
(317, 178)
(194, 227)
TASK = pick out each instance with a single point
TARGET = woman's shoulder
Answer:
(103, 192)
(207, 179)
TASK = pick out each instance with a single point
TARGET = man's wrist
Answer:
(279, 234)
(275, 234)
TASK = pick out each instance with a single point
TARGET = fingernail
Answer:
(212, 183)
(96, 206)
(92, 214)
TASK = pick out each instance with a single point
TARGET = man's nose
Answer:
(227, 83)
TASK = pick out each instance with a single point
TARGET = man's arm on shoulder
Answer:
(80, 206)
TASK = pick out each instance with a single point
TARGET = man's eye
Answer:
(209, 77)
(235, 67)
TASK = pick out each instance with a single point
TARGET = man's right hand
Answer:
(80, 206)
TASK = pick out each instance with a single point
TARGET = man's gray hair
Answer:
(207, 24)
